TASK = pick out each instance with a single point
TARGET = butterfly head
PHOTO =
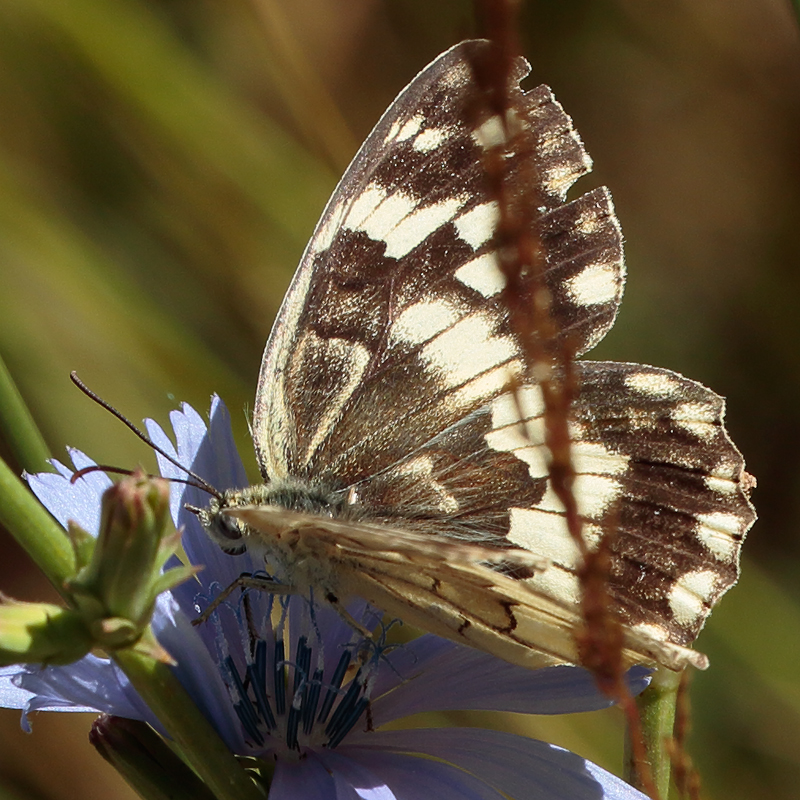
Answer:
(229, 533)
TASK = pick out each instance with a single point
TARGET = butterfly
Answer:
(401, 466)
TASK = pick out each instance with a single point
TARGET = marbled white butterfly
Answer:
(398, 464)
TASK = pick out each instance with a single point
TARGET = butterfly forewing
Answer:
(387, 381)
(394, 326)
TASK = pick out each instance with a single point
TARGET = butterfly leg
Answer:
(249, 581)
(334, 602)
(245, 581)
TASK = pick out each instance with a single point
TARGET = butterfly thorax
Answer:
(283, 503)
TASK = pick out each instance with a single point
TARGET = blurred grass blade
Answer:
(304, 94)
(139, 56)
(41, 536)
(761, 625)
(18, 427)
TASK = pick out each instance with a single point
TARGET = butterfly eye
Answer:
(226, 531)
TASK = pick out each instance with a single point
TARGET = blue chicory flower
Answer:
(287, 679)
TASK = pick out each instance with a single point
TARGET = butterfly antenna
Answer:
(199, 482)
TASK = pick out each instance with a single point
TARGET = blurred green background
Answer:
(163, 162)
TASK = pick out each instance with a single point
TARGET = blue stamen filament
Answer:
(263, 712)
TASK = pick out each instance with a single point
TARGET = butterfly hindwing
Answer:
(448, 587)
(655, 470)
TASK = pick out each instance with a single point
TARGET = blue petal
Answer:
(345, 790)
(302, 780)
(226, 461)
(354, 779)
(13, 696)
(207, 450)
(198, 672)
(439, 675)
(91, 684)
(65, 501)
(211, 454)
(514, 765)
(408, 777)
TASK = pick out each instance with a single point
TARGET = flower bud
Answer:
(41, 633)
(146, 761)
(117, 589)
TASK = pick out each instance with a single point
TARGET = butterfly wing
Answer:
(656, 471)
(393, 328)
(447, 587)
(386, 378)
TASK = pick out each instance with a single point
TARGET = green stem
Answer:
(29, 523)
(19, 430)
(197, 740)
(656, 706)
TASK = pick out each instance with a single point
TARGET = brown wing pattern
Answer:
(386, 381)
(656, 470)
(393, 328)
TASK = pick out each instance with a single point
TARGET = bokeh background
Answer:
(163, 162)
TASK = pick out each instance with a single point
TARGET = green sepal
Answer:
(41, 633)
(147, 645)
(168, 546)
(112, 632)
(175, 576)
(136, 537)
(91, 607)
(125, 563)
(82, 544)
(119, 575)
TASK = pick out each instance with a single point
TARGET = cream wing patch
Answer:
(691, 595)
(697, 418)
(468, 348)
(423, 321)
(483, 275)
(431, 138)
(596, 284)
(477, 226)
(720, 532)
(395, 218)
(418, 225)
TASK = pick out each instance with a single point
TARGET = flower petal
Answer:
(226, 462)
(307, 779)
(13, 696)
(514, 765)
(407, 777)
(91, 684)
(355, 780)
(198, 671)
(210, 453)
(65, 501)
(453, 677)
